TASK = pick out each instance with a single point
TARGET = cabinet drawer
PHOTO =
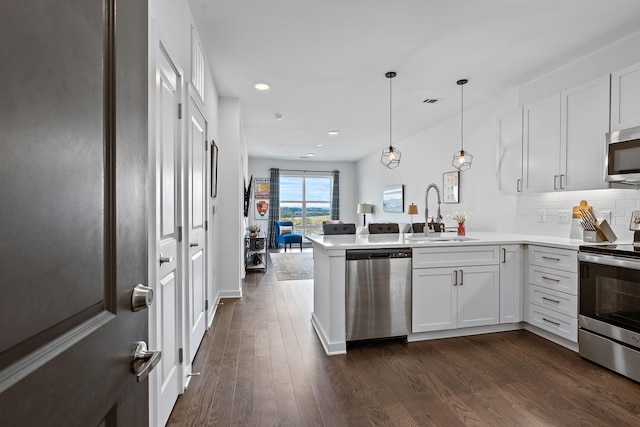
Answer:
(454, 256)
(553, 300)
(553, 279)
(561, 259)
(556, 323)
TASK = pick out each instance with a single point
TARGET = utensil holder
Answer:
(605, 230)
(592, 237)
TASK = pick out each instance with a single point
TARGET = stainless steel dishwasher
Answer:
(378, 293)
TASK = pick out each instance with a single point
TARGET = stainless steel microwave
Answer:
(623, 156)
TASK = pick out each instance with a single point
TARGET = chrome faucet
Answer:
(426, 208)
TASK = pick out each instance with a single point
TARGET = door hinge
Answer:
(206, 304)
(206, 224)
(179, 233)
(180, 355)
(180, 110)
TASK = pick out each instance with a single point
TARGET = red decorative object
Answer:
(461, 228)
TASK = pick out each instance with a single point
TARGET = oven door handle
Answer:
(608, 260)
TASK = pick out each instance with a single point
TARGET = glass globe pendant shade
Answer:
(390, 157)
(462, 160)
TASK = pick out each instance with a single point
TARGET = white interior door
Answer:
(196, 235)
(166, 322)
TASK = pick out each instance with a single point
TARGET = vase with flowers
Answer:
(461, 218)
(253, 230)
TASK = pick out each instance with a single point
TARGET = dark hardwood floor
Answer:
(261, 364)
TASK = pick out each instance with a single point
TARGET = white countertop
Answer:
(415, 240)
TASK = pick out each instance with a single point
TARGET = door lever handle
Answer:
(164, 259)
(143, 360)
(193, 245)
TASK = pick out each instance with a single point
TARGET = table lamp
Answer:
(364, 209)
(413, 210)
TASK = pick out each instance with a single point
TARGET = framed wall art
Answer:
(451, 187)
(261, 188)
(261, 208)
(393, 198)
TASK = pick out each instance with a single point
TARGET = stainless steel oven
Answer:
(609, 307)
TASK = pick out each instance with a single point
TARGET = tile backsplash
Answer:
(619, 202)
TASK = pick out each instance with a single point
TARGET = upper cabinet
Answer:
(564, 139)
(542, 144)
(625, 98)
(509, 152)
(584, 124)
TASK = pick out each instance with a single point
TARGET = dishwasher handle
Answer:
(377, 254)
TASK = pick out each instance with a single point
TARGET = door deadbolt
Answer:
(141, 297)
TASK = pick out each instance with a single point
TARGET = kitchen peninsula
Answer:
(524, 281)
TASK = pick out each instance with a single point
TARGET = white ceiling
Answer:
(326, 60)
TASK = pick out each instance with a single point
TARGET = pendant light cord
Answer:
(462, 117)
(390, 109)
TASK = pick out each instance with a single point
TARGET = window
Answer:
(306, 201)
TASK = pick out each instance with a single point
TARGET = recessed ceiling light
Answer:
(306, 156)
(262, 86)
(279, 116)
(333, 132)
(319, 145)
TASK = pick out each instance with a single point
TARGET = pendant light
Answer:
(390, 156)
(462, 159)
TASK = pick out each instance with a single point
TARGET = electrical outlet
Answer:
(563, 217)
(606, 215)
(542, 216)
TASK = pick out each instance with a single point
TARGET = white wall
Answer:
(259, 168)
(427, 155)
(232, 169)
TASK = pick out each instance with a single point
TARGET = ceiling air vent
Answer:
(430, 101)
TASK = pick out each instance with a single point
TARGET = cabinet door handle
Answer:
(518, 185)
(455, 277)
(550, 258)
(461, 277)
(504, 255)
(551, 300)
(551, 321)
(562, 182)
(555, 182)
(551, 279)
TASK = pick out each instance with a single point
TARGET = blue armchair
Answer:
(285, 235)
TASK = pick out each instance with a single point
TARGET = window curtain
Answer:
(274, 206)
(335, 196)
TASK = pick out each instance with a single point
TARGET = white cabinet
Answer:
(564, 139)
(542, 144)
(625, 98)
(585, 123)
(459, 288)
(434, 300)
(511, 284)
(509, 151)
(553, 291)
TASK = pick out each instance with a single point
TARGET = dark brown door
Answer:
(73, 226)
